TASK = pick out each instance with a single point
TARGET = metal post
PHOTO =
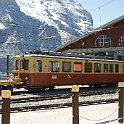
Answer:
(121, 102)
(7, 65)
(75, 104)
(6, 94)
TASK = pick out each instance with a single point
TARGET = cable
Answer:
(99, 9)
(102, 5)
(101, 118)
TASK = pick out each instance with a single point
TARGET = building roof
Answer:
(106, 26)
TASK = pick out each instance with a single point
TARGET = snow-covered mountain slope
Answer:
(27, 25)
(50, 11)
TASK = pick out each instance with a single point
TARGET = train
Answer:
(40, 72)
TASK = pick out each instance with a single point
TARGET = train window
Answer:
(97, 67)
(38, 66)
(17, 64)
(105, 68)
(66, 67)
(88, 67)
(54, 66)
(111, 68)
(116, 68)
(77, 67)
(24, 64)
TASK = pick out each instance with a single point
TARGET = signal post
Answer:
(75, 104)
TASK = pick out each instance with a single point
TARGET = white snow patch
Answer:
(35, 9)
(2, 26)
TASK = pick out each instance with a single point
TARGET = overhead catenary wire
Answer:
(99, 9)
(101, 5)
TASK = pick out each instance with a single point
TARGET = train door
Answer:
(38, 66)
(107, 73)
(24, 64)
(37, 69)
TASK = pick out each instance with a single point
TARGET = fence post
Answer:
(6, 94)
(121, 102)
(75, 104)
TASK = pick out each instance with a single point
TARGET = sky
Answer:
(103, 11)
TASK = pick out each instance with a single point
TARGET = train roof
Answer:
(68, 57)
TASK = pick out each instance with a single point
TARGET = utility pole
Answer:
(7, 65)
(75, 104)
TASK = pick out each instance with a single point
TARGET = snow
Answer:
(2, 26)
(37, 10)
(48, 23)
(51, 12)
(93, 114)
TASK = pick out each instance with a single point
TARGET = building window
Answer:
(121, 41)
(103, 41)
(66, 66)
(54, 66)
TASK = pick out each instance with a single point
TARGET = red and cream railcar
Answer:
(41, 71)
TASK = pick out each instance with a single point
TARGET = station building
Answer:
(106, 41)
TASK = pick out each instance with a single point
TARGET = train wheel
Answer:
(96, 86)
(90, 85)
(43, 88)
(51, 88)
(10, 88)
(30, 89)
(34, 89)
(1, 88)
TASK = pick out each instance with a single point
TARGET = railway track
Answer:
(60, 100)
